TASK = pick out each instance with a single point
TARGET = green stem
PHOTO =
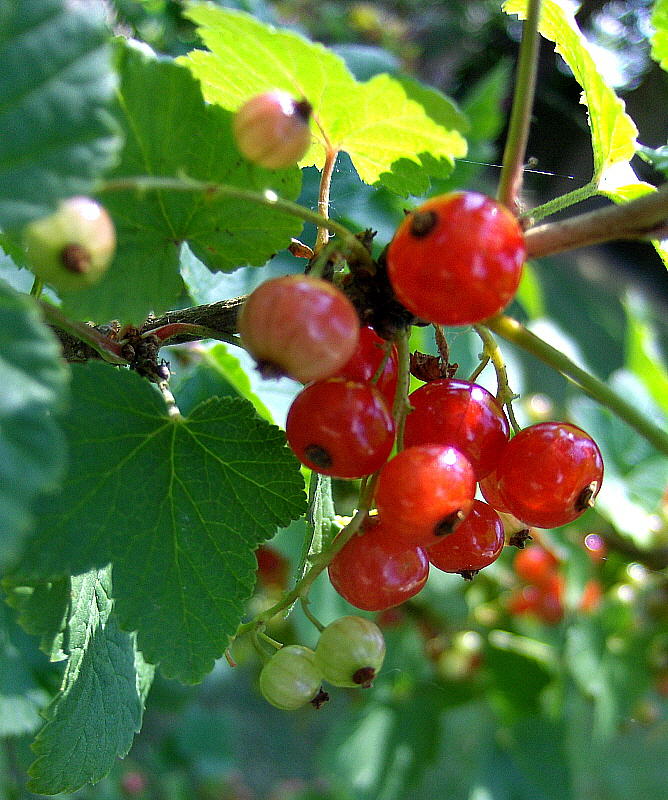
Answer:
(504, 394)
(37, 288)
(402, 407)
(564, 201)
(511, 330)
(520, 115)
(108, 350)
(145, 183)
(322, 236)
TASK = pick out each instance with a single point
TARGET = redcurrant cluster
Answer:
(349, 653)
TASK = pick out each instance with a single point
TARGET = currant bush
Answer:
(299, 326)
(73, 247)
(424, 493)
(460, 414)
(291, 678)
(457, 259)
(477, 542)
(272, 129)
(350, 652)
(340, 427)
(374, 572)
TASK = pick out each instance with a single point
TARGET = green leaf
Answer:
(43, 611)
(643, 354)
(530, 293)
(99, 707)
(657, 157)
(56, 82)
(659, 38)
(174, 135)
(396, 132)
(177, 504)
(21, 697)
(613, 132)
(32, 447)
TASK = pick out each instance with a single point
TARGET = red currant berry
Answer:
(475, 544)
(489, 488)
(535, 565)
(272, 567)
(592, 594)
(299, 326)
(350, 652)
(457, 259)
(272, 129)
(460, 414)
(366, 361)
(340, 428)
(291, 678)
(424, 492)
(544, 602)
(73, 247)
(373, 572)
(550, 474)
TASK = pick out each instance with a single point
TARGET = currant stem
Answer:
(37, 288)
(402, 407)
(512, 331)
(173, 411)
(305, 602)
(322, 237)
(504, 394)
(484, 361)
(107, 349)
(563, 201)
(520, 117)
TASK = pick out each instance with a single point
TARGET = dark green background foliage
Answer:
(128, 534)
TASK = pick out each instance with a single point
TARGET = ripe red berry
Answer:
(544, 602)
(476, 543)
(373, 572)
(549, 474)
(535, 565)
(73, 247)
(350, 652)
(460, 414)
(273, 568)
(489, 488)
(291, 678)
(366, 360)
(424, 492)
(457, 259)
(272, 129)
(341, 428)
(299, 326)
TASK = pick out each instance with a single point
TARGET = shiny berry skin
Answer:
(424, 492)
(477, 542)
(535, 565)
(341, 428)
(273, 568)
(73, 247)
(373, 572)
(457, 259)
(549, 474)
(366, 360)
(350, 652)
(460, 414)
(272, 129)
(299, 326)
(291, 678)
(489, 488)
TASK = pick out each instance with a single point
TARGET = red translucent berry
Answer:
(291, 678)
(544, 602)
(299, 326)
(424, 492)
(550, 474)
(273, 568)
(535, 565)
(73, 247)
(350, 652)
(366, 360)
(272, 129)
(373, 572)
(592, 594)
(457, 259)
(476, 543)
(461, 414)
(341, 428)
(489, 487)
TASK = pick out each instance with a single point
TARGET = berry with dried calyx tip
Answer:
(291, 678)
(476, 543)
(73, 247)
(350, 652)
(299, 326)
(272, 129)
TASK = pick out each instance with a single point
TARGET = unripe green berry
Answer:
(290, 678)
(350, 652)
(272, 129)
(71, 248)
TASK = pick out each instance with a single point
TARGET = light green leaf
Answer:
(173, 135)
(99, 707)
(396, 132)
(32, 447)
(530, 293)
(643, 354)
(660, 36)
(55, 83)
(613, 132)
(178, 505)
